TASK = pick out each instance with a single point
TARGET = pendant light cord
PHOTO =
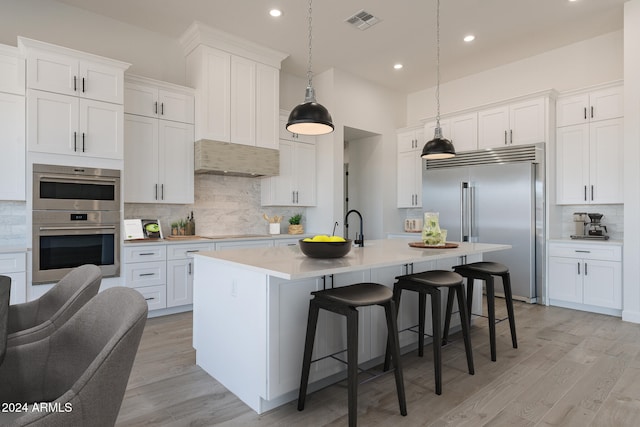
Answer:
(309, 73)
(438, 64)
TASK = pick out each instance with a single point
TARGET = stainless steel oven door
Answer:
(75, 188)
(63, 240)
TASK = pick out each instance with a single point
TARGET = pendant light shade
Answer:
(438, 147)
(310, 118)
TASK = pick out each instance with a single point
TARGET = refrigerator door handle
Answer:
(472, 210)
(464, 218)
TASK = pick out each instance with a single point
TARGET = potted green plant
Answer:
(181, 227)
(174, 228)
(294, 224)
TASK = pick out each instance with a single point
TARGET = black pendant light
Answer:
(439, 147)
(310, 118)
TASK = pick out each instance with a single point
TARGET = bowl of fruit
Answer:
(323, 246)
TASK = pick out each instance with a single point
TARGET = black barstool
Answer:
(486, 271)
(344, 301)
(429, 283)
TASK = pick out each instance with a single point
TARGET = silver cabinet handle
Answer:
(582, 251)
(578, 268)
(585, 193)
(146, 274)
(146, 253)
(75, 138)
(592, 193)
(585, 113)
(156, 196)
(189, 269)
(505, 137)
(592, 112)
(149, 299)
(510, 136)
(586, 271)
(155, 108)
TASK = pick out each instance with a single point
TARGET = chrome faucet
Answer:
(357, 241)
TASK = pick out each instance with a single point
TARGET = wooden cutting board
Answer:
(447, 245)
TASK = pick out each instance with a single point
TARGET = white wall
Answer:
(578, 65)
(631, 253)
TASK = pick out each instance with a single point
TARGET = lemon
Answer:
(336, 239)
(308, 239)
(320, 238)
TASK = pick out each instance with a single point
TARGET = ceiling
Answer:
(505, 30)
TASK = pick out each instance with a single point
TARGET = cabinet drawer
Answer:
(145, 253)
(601, 252)
(184, 251)
(145, 274)
(12, 263)
(156, 296)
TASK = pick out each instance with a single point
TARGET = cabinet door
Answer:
(243, 101)
(527, 121)
(140, 159)
(464, 132)
(52, 72)
(175, 142)
(603, 283)
(407, 141)
(12, 161)
(175, 106)
(179, 282)
(606, 161)
(215, 109)
(572, 167)
(305, 174)
(278, 190)
(267, 106)
(52, 122)
(606, 104)
(493, 127)
(101, 130)
(140, 99)
(100, 82)
(572, 110)
(409, 169)
(565, 279)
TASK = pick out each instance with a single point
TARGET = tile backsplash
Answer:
(223, 205)
(13, 224)
(613, 218)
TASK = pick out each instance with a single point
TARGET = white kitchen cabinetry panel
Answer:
(138, 275)
(145, 253)
(12, 70)
(586, 277)
(409, 164)
(64, 124)
(14, 265)
(158, 164)
(180, 272)
(603, 104)
(237, 98)
(589, 163)
(55, 69)
(12, 141)
(296, 183)
(156, 296)
(153, 98)
(461, 130)
(517, 123)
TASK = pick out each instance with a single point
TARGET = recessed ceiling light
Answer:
(275, 13)
(397, 66)
(469, 38)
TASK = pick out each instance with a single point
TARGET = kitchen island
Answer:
(250, 312)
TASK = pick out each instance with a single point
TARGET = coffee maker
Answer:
(595, 229)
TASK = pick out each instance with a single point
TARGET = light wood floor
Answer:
(571, 369)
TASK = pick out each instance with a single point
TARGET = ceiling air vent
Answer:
(362, 20)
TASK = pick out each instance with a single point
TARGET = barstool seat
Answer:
(344, 301)
(486, 271)
(430, 282)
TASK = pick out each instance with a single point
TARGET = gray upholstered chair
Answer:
(81, 369)
(5, 293)
(36, 319)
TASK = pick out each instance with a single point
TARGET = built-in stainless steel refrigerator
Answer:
(494, 196)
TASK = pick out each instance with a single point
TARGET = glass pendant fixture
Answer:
(310, 118)
(439, 147)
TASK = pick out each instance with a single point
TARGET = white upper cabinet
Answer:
(237, 98)
(296, 183)
(602, 104)
(461, 130)
(409, 167)
(56, 69)
(518, 123)
(12, 70)
(152, 98)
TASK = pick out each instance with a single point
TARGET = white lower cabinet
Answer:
(586, 276)
(180, 272)
(14, 265)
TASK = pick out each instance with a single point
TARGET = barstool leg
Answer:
(447, 318)
(437, 337)
(397, 293)
(491, 309)
(422, 307)
(308, 350)
(506, 284)
(469, 291)
(352, 365)
(392, 331)
(464, 321)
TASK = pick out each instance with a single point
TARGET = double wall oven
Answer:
(76, 220)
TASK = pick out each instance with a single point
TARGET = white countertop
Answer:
(288, 262)
(588, 241)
